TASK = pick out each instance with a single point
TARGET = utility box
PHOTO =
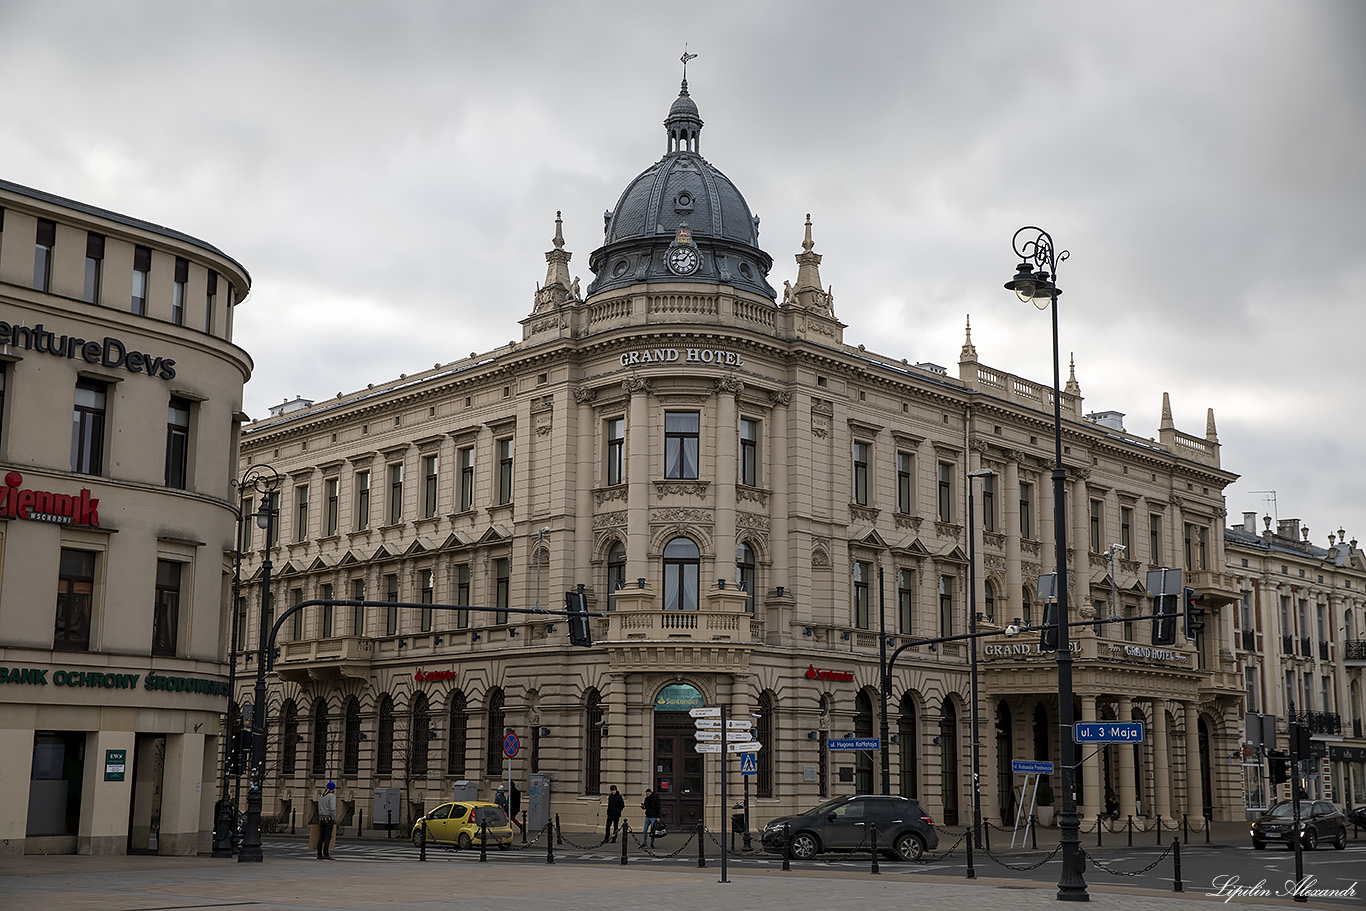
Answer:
(538, 802)
(386, 808)
(466, 790)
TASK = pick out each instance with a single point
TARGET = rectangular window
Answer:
(325, 628)
(502, 570)
(616, 451)
(358, 611)
(182, 277)
(681, 433)
(272, 506)
(210, 300)
(1126, 522)
(241, 623)
(142, 268)
(1128, 623)
(1097, 532)
(395, 493)
(42, 255)
(177, 444)
(391, 612)
(1195, 541)
(1155, 539)
(505, 470)
(87, 428)
(905, 481)
(1254, 703)
(862, 573)
(749, 452)
(248, 523)
(330, 491)
(424, 581)
(462, 594)
(296, 620)
(905, 602)
(989, 503)
(75, 600)
(946, 606)
(362, 500)
(945, 492)
(94, 267)
(861, 473)
(429, 486)
(301, 513)
(467, 479)
(1026, 511)
(166, 610)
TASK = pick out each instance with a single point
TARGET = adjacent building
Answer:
(120, 406)
(752, 505)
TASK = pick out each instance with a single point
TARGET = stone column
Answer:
(1010, 516)
(1080, 566)
(583, 495)
(1195, 783)
(726, 475)
(1127, 795)
(777, 466)
(1092, 791)
(638, 479)
(1162, 789)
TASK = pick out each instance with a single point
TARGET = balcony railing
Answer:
(1318, 722)
(1355, 650)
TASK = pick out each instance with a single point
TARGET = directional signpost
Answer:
(1037, 768)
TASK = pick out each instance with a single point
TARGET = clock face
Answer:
(683, 260)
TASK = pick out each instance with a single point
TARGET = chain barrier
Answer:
(1022, 869)
(1100, 866)
(534, 839)
(734, 852)
(640, 842)
(573, 844)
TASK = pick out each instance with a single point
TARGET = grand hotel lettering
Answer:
(646, 356)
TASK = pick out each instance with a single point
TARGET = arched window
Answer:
(1026, 599)
(457, 719)
(948, 757)
(351, 747)
(616, 572)
(592, 736)
(419, 727)
(384, 760)
(909, 753)
(763, 760)
(290, 736)
(749, 575)
(1005, 750)
(822, 751)
(320, 726)
(494, 745)
(681, 567)
(989, 607)
(863, 727)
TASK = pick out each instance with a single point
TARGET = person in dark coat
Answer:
(516, 806)
(652, 811)
(615, 805)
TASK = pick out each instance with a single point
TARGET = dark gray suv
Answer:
(904, 830)
(1320, 822)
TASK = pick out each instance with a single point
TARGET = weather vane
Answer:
(685, 58)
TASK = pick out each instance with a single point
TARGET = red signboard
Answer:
(17, 502)
(815, 673)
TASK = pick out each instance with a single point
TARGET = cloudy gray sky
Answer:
(389, 174)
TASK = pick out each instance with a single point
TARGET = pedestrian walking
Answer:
(500, 797)
(615, 804)
(652, 811)
(516, 806)
(327, 818)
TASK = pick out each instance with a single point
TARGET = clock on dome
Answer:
(683, 258)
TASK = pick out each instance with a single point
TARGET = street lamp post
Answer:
(251, 836)
(1036, 283)
(982, 473)
(257, 478)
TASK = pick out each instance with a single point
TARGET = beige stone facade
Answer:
(118, 438)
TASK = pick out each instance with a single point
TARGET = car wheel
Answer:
(1340, 843)
(1311, 839)
(417, 837)
(464, 841)
(909, 847)
(1259, 845)
(804, 846)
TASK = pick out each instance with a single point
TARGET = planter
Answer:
(1044, 815)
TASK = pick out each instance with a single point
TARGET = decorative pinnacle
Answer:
(559, 234)
(808, 244)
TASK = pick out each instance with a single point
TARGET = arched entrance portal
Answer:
(1005, 751)
(678, 774)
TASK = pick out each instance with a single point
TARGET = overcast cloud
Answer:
(389, 174)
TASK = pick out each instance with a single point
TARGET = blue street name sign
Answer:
(1107, 732)
(857, 743)
(1031, 767)
(749, 763)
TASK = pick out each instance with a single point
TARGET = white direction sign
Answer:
(705, 712)
(749, 746)
(738, 735)
(741, 725)
(707, 747)
(708, 724)
(708, 736)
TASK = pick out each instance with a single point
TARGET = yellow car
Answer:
(458, 824)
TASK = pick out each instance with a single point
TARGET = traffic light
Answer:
(1164, 620)
(576, 604)
(1048, 633)
(1195, 616)
(1280, 769)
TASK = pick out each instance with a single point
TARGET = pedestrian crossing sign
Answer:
(749, 763)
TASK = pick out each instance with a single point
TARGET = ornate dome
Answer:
(681, 201)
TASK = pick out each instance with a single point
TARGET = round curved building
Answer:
(753, 507)
(120, 408)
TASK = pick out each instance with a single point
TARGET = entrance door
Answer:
(144, 811)
(678, 777)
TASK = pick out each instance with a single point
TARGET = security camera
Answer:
(1012, 631)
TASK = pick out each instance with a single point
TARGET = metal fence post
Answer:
(422, 844)
(1158, 830)
(550, 843)
(1100, 821)
(559, 833)
(1131, 831)
(1033, 832)
(292, 830)
(1176, 866)
(483, 841)
(787, 846)
(872, 832)
(972, 872)
(1208, 820)
(360, 821)
(625, 839)
(1185, 828)
(524, 827)
(701, 846)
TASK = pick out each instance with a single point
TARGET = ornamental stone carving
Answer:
(634, 384)
(1016, 456)
(1029, 547)
(751, 521)
(729, 385)
(862, 514)
(752, 495)
(902, 520)
(820, 552)
(688, 488)
(948, 530)
(780, 399)
(993, 562)
(609, 520)
(609, 494)
(681, 515)
(820, 425)
(583, 395)
(977, 444)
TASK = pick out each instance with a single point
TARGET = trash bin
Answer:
(737, 823)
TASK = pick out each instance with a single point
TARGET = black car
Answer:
(904, 829)
(1320, 821)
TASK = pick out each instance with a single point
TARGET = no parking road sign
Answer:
(511, 745)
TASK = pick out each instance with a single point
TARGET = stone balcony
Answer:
(325, 659)
(717, 638)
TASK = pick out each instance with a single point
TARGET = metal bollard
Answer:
(1176, 866)
(1158, 829)
(787, 847)
(1131, 831)
(1100, 821)
(1207, 822)
(360, 821)
(972, 872)
(872, 833)
(550, 844)
(559, 833)
(524, 827)
(1033, 831)
(986, 836)
(625, 837)
(483, 841)
(422, 844)
(1185, 828)
(292, 830)
(701, 846)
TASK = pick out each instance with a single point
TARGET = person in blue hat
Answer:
(327, 818)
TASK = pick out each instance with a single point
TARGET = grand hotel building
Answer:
(678, 426)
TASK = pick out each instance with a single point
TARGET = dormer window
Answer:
(683, 203)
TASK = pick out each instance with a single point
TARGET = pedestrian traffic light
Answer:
(576, 604)
(1280, 769)
(1195, 616)
(1164, 619)
(1048, 633)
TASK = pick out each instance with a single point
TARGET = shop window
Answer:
(75, 600)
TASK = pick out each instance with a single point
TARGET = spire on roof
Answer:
(808, 292)
(1167, 422)
(1211, 433)
(969, 352)
(559, 287)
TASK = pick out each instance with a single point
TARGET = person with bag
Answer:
(327, 818)
(515, 807)
(615, 804)
(652, 812)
